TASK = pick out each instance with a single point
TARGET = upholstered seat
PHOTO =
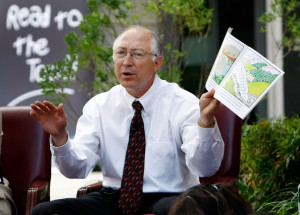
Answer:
(25, 158)
(230, 126)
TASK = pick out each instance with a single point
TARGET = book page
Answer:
(228, 53)
(248, 78)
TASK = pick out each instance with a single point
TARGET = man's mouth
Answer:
(128, 73)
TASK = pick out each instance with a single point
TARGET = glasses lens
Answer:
(120, 53)
(138, 54)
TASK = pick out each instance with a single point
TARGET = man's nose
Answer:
(128, 60)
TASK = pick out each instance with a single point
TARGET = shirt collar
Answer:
(149, 97)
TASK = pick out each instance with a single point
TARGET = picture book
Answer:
(241, 76)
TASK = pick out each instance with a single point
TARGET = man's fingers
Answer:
(50, 105)
(61, 109)
(37, 108)
(42, 106)
(211, 107)
(209, 94)
(35, 115)
(214, 102)
(206, 99)
(212, 92)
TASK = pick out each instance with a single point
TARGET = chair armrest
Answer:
(36, 193)
(89, 188)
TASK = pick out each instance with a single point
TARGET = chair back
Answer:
(1, 133)
(230, 126)
(25, 155)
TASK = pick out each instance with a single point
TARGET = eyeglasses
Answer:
(135, 54)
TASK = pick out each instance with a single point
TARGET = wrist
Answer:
(207, 125)
(61, 139)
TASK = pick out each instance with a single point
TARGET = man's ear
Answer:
(158, 63)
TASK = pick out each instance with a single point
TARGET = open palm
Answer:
(53, 119)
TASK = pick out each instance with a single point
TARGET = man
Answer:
(177, 149)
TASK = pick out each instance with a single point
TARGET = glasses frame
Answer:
(132, 54)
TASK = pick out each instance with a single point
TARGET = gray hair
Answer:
(155, 45)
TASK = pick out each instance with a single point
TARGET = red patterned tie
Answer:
(132, 181)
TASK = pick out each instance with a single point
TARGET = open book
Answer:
(241, 76)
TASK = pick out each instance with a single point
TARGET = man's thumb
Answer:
(60, 108)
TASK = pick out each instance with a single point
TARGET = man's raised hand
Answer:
(53, 119)
(208, 107)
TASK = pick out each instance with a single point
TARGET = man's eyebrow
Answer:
(124, 48)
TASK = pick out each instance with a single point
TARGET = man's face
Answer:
(136, 75)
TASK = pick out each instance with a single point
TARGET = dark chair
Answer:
(25, 158)
(230, 126)
(231, 130)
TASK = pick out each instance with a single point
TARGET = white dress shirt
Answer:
(178, 150)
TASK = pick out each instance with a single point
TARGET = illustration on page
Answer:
(249, 78)
(241, 76)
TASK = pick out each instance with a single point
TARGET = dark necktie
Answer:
(132, 181)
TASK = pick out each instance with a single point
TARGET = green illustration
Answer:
(224, 62)
(249, 78)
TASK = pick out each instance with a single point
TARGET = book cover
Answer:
(241, 76)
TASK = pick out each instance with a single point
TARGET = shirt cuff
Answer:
(207, 134)
(60, 150)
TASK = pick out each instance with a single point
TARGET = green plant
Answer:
(89, 54)
(282, 202)
(178, 19)
(288, 11)
(270, 159)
